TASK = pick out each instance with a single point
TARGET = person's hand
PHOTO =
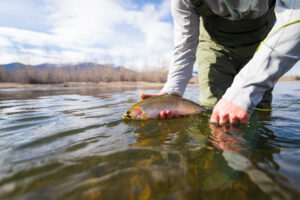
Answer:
(163, 114)
(145, 96)
(227, 112)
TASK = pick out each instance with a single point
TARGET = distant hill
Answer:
(20, 66)
(81, 66)
(14, 66)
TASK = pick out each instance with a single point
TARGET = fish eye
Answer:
(128, 112)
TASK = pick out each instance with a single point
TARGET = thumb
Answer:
(144, 96)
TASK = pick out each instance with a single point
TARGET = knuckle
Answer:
(244, 116)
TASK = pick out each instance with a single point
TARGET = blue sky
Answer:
(134, 33)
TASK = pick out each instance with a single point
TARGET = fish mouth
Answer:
(126, 115)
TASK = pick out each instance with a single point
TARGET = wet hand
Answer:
(164, 114)
(227, 112)
(145, 96)
(167, 114)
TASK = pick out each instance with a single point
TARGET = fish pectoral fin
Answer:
(143, 117)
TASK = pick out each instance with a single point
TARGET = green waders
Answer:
(225, 47)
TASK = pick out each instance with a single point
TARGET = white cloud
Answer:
(21, 37)
(95, 29)
(4, 42)
(158, 34)
(87, 22)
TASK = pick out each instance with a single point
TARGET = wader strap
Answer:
(235, 33)
(202, 8)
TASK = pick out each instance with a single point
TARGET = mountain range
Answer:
(81, 66)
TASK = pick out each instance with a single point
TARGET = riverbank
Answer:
(138, 84)
(290, 78)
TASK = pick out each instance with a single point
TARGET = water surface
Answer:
(69, 143)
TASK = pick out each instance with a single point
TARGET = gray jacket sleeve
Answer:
(186, 33)
(278, 53)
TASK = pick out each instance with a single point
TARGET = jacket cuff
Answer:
(172, 89)
(242, 101)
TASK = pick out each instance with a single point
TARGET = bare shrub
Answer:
(83, 73)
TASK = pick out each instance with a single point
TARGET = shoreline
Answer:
(81, 84)
(138, 84)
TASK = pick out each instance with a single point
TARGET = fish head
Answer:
(136, 113)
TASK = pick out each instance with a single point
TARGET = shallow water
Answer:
(71, 144)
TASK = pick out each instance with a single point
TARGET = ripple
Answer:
(57, 136)
(71, 144)
(14, 128)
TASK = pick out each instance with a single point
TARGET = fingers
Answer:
(244, 118)
(167, 114)
(229, 119)
(233, 119)
(144, 96)
(226, 118)
(215, 118)
(162, 114)
(226, 112)
(223, 119)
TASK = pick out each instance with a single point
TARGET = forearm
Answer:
(279, 53)
(186, 32)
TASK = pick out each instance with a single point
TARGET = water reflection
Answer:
(213, 158)
(241, 155)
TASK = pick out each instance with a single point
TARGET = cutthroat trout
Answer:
(149, 108)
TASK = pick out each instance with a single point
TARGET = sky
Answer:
(132, 33)
(124, 32)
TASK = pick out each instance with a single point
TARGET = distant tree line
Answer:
(105, 73)
(289, 78)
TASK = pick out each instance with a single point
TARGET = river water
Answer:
(69, 143)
